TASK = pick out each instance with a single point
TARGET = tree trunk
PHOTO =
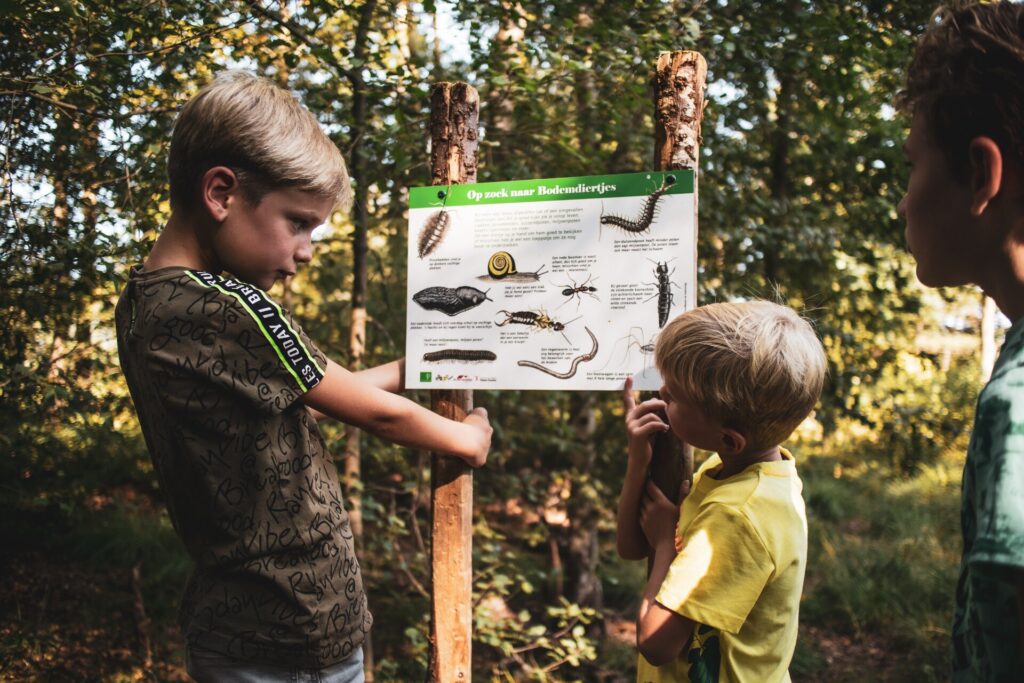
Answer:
(360, 224)
(679, 106)
(454, 112)
(988, 337)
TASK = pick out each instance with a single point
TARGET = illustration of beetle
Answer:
(574, 291)
(433, 231)
(647, 215)
(450, 300)
(664, 293)
(542, 321)
(501, 266)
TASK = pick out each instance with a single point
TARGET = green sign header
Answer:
(551, 189)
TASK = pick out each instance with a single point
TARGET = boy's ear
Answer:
(217, 190)
(733, 442)
(986, 172)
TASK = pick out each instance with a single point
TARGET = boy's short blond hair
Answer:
(755, 366)
(260, 131)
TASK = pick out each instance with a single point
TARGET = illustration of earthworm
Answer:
(434, 231)
(450, 300)
(471, 355)
(501, 266)
(572, 367)
(643, 222)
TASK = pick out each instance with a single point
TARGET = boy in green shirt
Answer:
(964, 210)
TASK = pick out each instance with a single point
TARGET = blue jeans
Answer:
(210, 667)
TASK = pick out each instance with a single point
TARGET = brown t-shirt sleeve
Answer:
(236, 339)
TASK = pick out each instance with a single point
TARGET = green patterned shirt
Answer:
(986, 640)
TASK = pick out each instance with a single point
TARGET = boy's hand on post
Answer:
(658, 517)
(642, 422)
(477, 419)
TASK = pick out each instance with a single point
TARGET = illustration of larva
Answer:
(643, 221)
(501, 266)
(471, 355)
(433, 231)
(450, 300)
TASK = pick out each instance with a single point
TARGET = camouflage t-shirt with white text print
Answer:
(215, 370)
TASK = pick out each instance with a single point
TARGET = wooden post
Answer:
(679, 106)
(454, 112)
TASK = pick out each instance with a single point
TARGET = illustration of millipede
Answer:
(501, 266)
(450, 300)
(589, 356)
(647, 215)
(470, 355)
(434, 231)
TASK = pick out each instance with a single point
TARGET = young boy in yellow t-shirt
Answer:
(722, 599)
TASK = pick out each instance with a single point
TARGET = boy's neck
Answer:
(180, 244)
(1006, 284)
(734, 464)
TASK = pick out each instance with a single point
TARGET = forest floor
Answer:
(876, 605)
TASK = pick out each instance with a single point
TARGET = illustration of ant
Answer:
(574, 291)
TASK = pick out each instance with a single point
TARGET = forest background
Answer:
(801, 171)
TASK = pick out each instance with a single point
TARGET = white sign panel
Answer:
(560, 283)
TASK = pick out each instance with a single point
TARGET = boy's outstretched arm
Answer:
(348, 397)
(642, 422)
(661, 634)
(390, 377)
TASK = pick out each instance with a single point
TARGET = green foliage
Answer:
(801, 170)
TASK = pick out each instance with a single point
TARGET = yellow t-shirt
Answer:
(738, 576)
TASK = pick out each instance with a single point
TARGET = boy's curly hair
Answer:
(966, 78)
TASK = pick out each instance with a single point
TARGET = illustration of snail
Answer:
(501, 266)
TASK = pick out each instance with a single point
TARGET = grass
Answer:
(883, 555)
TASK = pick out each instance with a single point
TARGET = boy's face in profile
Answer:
(936, 208)
(265, 242)
(688, 421)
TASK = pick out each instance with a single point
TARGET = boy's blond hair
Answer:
(755, 366)
(260, 131)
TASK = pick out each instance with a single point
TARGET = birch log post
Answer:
(454, 112)
(679, 81)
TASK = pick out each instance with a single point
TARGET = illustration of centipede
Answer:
(434, 231)
(468, 355)
(589, 356)
(450, 300)
(642, 223)
(501, 266)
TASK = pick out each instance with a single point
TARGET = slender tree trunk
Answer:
(352, 468)
(454, 114)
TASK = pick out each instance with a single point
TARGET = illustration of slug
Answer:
(434, 231)
(501, 266)
(450, 300)
(572, 367)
